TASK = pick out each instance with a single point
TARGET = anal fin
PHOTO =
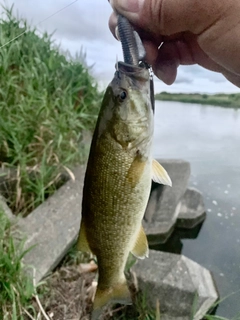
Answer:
(119, 293)
(159, 174)
(140, 249)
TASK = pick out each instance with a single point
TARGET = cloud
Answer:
(183, 79)
(84, 19)
(196, 71)
(201, 85)
(84, 25)
(81, 26)
(197, 79)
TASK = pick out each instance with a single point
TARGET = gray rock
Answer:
(181, 285)
(5, 208)
(163, 206)
(192, 210)
(52, 228)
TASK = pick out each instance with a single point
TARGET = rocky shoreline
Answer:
(173, 279)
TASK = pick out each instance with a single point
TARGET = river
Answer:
(209, 138)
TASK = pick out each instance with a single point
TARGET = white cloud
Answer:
(197, 79)
(84, 25)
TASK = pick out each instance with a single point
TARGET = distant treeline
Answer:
(223, 100)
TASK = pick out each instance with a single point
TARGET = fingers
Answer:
(221, 40)
(204, 32)
(129, 8)
(233, 78)
(112, 23)
(172, 16)
(175, 53)
(167, 62)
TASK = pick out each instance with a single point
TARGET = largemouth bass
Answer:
(118, 181)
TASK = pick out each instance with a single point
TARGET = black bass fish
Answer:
(118, 181)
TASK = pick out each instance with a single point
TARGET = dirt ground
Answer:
(69, 293)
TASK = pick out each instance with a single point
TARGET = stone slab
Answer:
(163, 206)
(52, 228)
(178, 283)
(5, 208)
(192, 209)
(174, 243)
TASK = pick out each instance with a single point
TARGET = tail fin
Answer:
(119, 294)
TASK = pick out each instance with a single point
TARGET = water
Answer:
(209, 138)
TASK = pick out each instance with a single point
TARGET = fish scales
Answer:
(111, 191)
(118, 181)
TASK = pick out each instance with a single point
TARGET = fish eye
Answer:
(122, 96)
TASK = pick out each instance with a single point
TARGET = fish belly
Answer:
(115, 202)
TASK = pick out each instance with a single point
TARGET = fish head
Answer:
(127, 110)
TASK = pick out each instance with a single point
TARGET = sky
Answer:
(83, 25)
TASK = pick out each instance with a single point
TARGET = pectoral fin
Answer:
(140, 249)
(82, 243)
(136, 170)
(159, 174)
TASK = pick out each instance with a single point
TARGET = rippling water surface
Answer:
(209, 138)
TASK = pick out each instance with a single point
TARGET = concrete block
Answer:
(163, 206)
(5, 208)
(178, 283)
(53, 227)
(192, 209)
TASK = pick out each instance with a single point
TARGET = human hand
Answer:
(203, 32)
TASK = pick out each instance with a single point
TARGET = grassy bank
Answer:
(16, 290)
(222, 100)
(47, 101)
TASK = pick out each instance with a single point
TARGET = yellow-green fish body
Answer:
(118, 181)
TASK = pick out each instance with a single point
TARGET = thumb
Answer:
(168, 17)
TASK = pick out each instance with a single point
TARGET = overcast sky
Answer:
(84, 24)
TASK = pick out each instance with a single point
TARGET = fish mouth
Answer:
(133, 71)
(132, 76)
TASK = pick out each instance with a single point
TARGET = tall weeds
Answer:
(47, 100)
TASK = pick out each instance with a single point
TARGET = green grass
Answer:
(139, 311)
(222, 100)
(215, 317)
(16, 289)
(212, 317)
(47, 101)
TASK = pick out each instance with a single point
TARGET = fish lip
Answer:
(132, 76)
(133, 71)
